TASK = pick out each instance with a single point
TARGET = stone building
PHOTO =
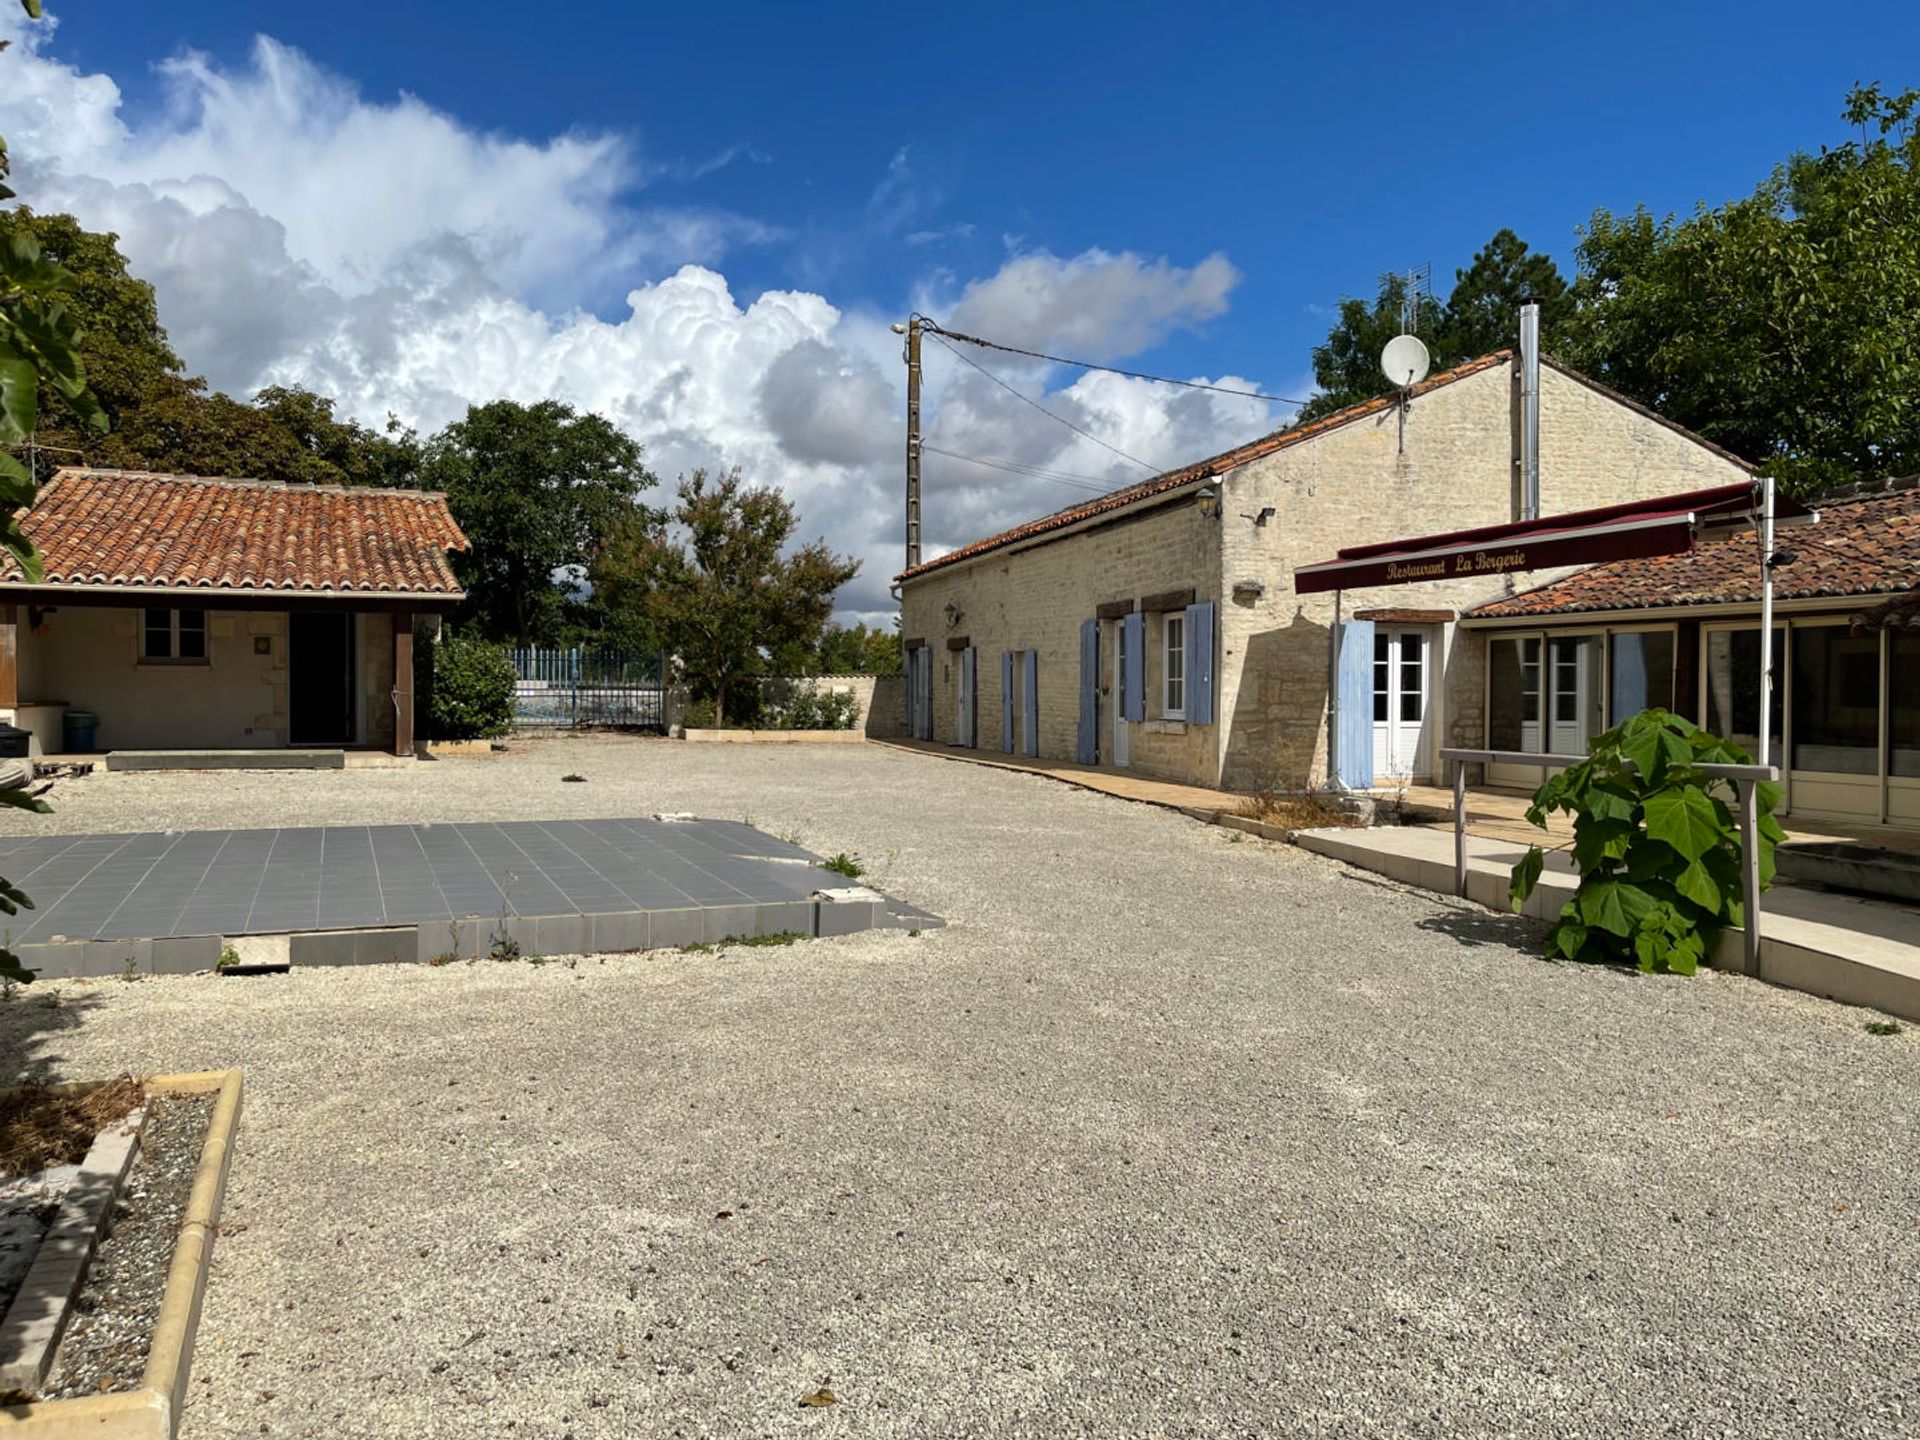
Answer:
(186, 613)
(1157, 627)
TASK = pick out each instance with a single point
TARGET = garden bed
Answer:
(100, 1340)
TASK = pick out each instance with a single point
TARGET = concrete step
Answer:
(1853, 950)
(226, 759)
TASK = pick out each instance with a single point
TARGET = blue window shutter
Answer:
(1133, 684)
(1200, 663)
(1030, 705)
(967, 711)
(926, 694)
(1006, 701)
(1088, 750)
(1353, 740)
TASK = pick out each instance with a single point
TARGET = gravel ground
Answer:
(105, 1347)
(1166, 1134)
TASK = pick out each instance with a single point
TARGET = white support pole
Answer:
(1765, 757)
(1460, 827)
(1749, 874)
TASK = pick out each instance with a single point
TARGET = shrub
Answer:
(815, 709)
(472, 696)
(1656, 844)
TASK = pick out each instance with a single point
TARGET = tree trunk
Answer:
(720, 704)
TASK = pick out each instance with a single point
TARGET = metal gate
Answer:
(567, 689)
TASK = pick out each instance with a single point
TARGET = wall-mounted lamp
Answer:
(952, 612)
(1260, 517)
(1208, 502)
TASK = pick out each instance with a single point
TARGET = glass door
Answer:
(1400, 703)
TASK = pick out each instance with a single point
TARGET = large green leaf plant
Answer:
(39, 344)
(1656, 843)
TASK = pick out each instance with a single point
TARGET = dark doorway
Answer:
(320, 679)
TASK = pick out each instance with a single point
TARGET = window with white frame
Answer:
(173, 637)
(1174, 692)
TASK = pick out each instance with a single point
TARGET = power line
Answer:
(1035, 472)
(1022, 395)
(937, 330)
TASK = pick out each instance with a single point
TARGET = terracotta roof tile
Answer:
(1868, 545)
(1200, 470)
(132, 528)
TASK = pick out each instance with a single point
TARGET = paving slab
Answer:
(536, 881)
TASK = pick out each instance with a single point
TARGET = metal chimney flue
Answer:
(1530, 411)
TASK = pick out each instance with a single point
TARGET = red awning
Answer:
(1666, 525)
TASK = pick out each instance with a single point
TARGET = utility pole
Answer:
(912, 331)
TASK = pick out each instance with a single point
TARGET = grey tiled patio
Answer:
(95, 893)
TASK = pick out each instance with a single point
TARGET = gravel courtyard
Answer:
(1165, 1134)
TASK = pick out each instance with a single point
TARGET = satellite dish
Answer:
(1404, 361)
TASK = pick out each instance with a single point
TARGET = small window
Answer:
(173, 637)
(1382, 674)
(1175, 696)
(1413, 686)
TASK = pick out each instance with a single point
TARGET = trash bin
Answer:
(76, 730)
(15, 743)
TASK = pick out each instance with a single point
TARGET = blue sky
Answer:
(1315, 146)
(1225, 172)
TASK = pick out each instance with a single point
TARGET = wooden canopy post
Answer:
(403, 682)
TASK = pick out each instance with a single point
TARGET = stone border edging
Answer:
(37, 1318)
(152, 1412)
(773, 737)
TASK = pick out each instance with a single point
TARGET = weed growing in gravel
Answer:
(229, 957)
(844, 864)
(445, 957)
(505, 947)
(129, 972)
(1883, 1027)
(779, 937)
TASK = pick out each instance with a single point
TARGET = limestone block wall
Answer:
(1352, 485)
(1035, 599)
(1356, 485)
(89, 658)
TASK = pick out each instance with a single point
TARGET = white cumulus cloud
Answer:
(403, 261)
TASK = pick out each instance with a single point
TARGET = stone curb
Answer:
(37, 1318)
(153, 1411)
(774, 737)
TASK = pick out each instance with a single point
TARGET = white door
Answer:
(1122, 739)
(1573, 693)
(1401, 682)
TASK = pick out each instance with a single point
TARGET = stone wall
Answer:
(1036, 599)
(1348, 486)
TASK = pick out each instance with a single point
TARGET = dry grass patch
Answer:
(1293, 812)
(39, 1128)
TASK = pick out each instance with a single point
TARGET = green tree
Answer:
(1786, 325)
(856, 650)
(162, 418)
(39, 351)
(732, 594)
(539, 490)
(1479, 315)
(1483, 309)
(839, 650)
